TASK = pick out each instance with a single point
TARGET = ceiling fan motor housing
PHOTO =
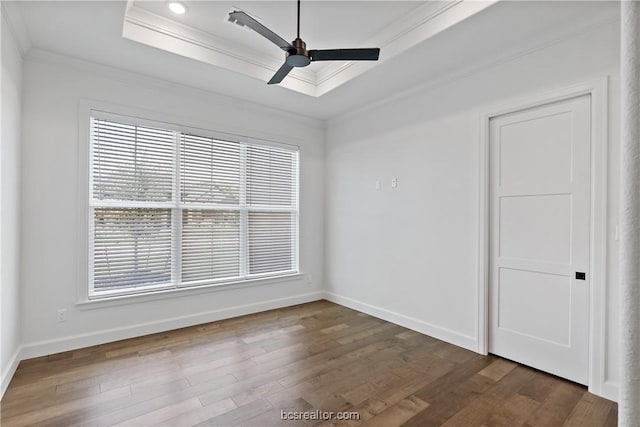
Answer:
(299, 56)
(296, 53)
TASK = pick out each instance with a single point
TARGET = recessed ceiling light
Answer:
(177, 7)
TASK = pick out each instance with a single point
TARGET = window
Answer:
(176, 208)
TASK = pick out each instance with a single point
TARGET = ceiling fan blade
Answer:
(280, 74)
(345, 54)
(244, 20)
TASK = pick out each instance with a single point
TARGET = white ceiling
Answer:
(92, 31)
(324, 24)
(392, 26)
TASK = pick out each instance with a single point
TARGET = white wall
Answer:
(410, 253)
(53, 89)
(10, 89)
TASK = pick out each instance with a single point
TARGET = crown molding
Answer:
(136, 79)
(390, 39)
(148, 28)
(532, 47)
(12, 18)
(422, 23)
(419, 25)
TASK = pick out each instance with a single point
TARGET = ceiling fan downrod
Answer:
(296, 53)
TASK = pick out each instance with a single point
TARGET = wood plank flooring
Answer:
(319, 356)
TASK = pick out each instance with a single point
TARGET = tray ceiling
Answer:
(87, 35)
(204, 34)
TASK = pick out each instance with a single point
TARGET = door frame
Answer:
(599, 91)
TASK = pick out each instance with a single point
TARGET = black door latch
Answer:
(581, 276)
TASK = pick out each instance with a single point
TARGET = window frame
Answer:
(86, 297)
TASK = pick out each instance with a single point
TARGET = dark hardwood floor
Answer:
(318, 356)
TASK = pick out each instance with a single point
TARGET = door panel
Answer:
(525, 146)
(536, 227)
(539, 228)
(524, 295)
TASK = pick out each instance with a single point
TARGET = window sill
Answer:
(118, 300)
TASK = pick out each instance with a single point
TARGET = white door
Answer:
(539, 231)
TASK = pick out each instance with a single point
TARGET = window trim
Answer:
(91, 108)
(167, 293)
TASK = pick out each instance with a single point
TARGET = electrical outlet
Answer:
(394, 182)
(62, 315)
(378, 184)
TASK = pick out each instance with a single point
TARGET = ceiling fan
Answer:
(297, 54)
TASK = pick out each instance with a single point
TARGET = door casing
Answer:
(598, 89)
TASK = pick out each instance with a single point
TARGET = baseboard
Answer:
(7, 374)
(74, 342)
(444, 334)
(609, 390)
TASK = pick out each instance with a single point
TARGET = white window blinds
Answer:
(209, 170)
(171, 208)
(271, 184)
(210, 244)
(131, 247)
(132, 163)
(271, 241)
(271, 176)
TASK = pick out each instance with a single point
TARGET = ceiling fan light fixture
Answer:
(177, 7)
